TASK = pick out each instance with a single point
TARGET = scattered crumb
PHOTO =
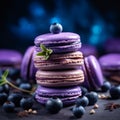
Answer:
(30, 111)
(22, 114)
(25, 113)
(96, 106)
(111, 106)
(34, 111)
(92, 111)
(99, 96)
(103, 96)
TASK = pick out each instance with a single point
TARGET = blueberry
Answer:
(26, 103)
(106, 86)
(56, 28)
(84, 90)
(92, 97)
(78, 111)
(13, 72)
(115, 92)
(82, 101)
(54, 105)
(15, 98)
(3, 98)
(18, 81)
(26, 86)
(8, 106)
(4, 88)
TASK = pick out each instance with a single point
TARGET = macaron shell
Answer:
(25, 66)
(110, 61)
(112, 45)
(10, 57)
(59, 61)
(86, 79)
(94, 71)
(63, 49)
(59, 43)
(62, 92)
(59, 78)
(66, 101)
(61, 38)
(67, 95)
(32, 71)
(88, 50)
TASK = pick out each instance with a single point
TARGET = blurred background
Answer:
(96, 21)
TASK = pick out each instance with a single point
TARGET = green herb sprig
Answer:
(4, 80)
(45, 52)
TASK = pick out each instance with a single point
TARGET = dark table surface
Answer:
(66, 113)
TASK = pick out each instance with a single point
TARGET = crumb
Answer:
(96, 106)
(30, 111)
(22, 114)
(25, 113)
(34, 112)
(92, 111)
(103, 96)
(99, 96)
(111, 106)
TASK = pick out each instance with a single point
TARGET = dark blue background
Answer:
(22, 20)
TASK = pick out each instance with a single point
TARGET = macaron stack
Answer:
(59, 65)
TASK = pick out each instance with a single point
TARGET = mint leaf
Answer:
(50, 51)
(43, 47)
(45, 52)
(41, 54)
(4, 77)
(46, 57)
(5, 74)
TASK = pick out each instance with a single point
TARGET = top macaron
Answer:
(58, 41)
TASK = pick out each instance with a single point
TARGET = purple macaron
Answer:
(89, 50)
(60, 43)
(93, 73)
(110, 64)
(112, 45)
(27, 67)
(68, 95)
(10, 58)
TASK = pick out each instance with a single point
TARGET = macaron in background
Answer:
(93, 74)
(11, 59)
(110, 64)
(68, 95)
(112, 45)
(27, 67)
(87, 50)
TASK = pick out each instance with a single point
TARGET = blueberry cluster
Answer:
(88, 98)
(91, 97)
(11, 98)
